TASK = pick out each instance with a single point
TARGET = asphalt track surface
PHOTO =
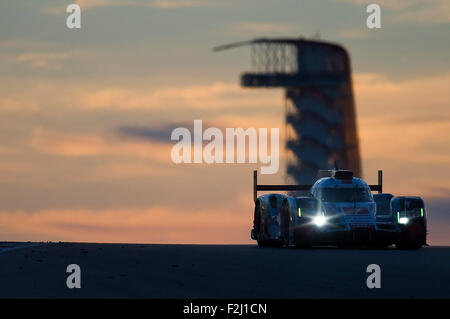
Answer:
(220, 271)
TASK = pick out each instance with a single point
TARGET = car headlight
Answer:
(319, 220)
(403, 220)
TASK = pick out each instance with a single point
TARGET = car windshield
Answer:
(356, 194)
(383, 205)
(410, 208)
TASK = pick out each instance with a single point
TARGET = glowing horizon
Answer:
(70, 173)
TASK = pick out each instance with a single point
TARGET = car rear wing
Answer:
(262, 188)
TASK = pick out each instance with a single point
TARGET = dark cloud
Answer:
(159, 134)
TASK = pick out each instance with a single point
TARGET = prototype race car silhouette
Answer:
(341, 211)
(407, 215)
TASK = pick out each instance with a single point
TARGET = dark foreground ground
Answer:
(216, 271)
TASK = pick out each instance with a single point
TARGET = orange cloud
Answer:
(399, 118)
(44, 60)
(70, 144)
(415, 142)
(219, 96)
(424, 98)
(215, 96)
(120, 170)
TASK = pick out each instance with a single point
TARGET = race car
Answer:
(341, 211)
(407, 214)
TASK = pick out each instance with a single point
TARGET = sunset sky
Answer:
(86, 115)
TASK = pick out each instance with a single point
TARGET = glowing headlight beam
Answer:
(319, 220)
